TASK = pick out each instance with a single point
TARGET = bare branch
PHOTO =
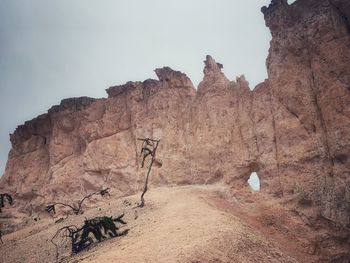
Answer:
(66, 231)
(146, 151)
(77, 207)
(80, 238)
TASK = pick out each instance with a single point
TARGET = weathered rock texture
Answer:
(309, 73)
(293, 129)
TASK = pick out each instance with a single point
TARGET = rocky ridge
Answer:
(293, 129)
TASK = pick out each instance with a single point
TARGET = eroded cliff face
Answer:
(232, 131)
(309, 73)
(293, 129)
(85, 144)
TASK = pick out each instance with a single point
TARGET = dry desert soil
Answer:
(178, 224)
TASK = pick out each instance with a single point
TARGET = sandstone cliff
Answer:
(293, 129)
(308, 68)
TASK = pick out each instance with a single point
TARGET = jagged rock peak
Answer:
(175, 78)
(242, 82)
(76, 103)
(211, 66)
(214, 80)
(273, 6)
(114, 91)
(280, 15)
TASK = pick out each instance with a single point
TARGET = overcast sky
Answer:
(50, 50)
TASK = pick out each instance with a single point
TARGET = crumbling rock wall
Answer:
(293, 129)
(309, 74)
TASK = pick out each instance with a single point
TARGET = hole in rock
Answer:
(254, 182)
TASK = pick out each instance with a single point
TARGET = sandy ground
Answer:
(178, 224)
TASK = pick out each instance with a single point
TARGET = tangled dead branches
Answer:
(77, 207)
(80, 237)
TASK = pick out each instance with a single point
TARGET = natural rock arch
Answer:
(254, 182)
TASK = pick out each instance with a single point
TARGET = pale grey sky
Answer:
(50, 50)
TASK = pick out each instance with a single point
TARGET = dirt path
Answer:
(178, 224)
(268, 216)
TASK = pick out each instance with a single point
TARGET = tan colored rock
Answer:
(309, 71)
(293, 129)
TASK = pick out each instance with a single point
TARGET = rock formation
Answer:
(293, 129)
(309, 74)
